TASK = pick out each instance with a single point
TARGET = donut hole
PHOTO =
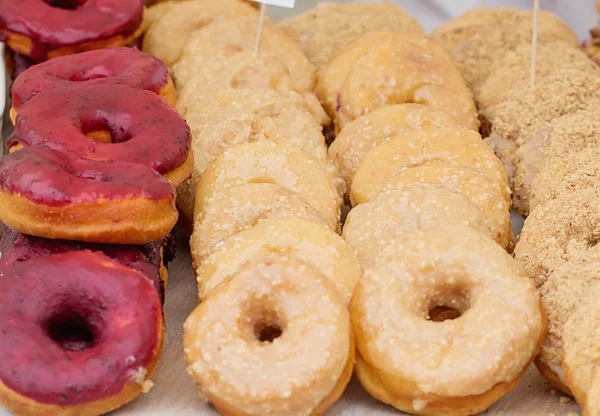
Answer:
(267, 331)
(66, 4)
(263, 323)
(71, 331)
(447, 305)
(102, 130)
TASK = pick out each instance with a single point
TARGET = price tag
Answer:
(281, 3)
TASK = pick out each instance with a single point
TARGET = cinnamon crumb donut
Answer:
(273, 339)
(234, 209)
(558, 231)
(295, 237)
(457, 366)
(173, 22)
(396, 212)
(455, 145)
(324, 29)
(364, 134)
(380, 69)
(282, 164)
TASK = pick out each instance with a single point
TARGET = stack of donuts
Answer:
(87, 201)
(547, 137)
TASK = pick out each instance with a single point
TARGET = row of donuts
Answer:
(548, 139)
(82, 322)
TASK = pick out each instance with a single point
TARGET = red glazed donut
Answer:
(80, 334)
(43, 29)
(124, 66)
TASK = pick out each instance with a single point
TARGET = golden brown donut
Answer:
(458, 366)
(273, 339)
(396, 212)
(324, 29)
(364, 134)
(380, 69)
(235, 209)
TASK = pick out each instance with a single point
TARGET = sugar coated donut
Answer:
(326, 28)
(408, 359)
(288, 347)
(380, 69)
(85, 343)
(394, 213)
(364, 134)
(452, 144)
(282, 164)
(237, 208)
(124, 66)
(299, 238)
(51, 28)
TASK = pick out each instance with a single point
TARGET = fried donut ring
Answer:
(299, 238)
(452, 144)
(75, 348)
(394, 213)
(557, 231)
(282, 164)
(125, 66)
(459, 366)
(288, 348)
(364, 134)
(326, 28)
(471, 183)
(380, 69)
(47, 29)
(172, 23)
(237, 208)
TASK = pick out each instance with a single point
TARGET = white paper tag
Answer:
(281, 3)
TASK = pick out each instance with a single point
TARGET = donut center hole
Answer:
(71, 331)
(105, 132)
(66, 4)
(267, 332)
(447, 305)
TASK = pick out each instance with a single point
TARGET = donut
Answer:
(226, 37)
(364, 134)
(87, 190)
(47, 29)
(397, 212)
(469, 182)
(459, 366)
(559, 138)
(326, 28)
(125, 66)
(480, 38)
(455, 145)
(380, 69)
(281, 164)
(558, 231)
(171, 24)
(237, 208)
(295, 237)
(80, 333)
(288, 348)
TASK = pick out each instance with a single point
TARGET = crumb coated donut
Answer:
(480, 38)
(557, 231)
(515, 67)
(380, 69)
(324, 29)
(397, 212)
(234, 209)
(282, 164)
(457, 366)
(364, 134)
(229, 36)
(125, 66)
(472, 184)
(175, 21)
(295, 237)
(273, 339)
(452, 144)
(50, 28)
(85, 343)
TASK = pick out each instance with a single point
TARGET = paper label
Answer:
(282, 3)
